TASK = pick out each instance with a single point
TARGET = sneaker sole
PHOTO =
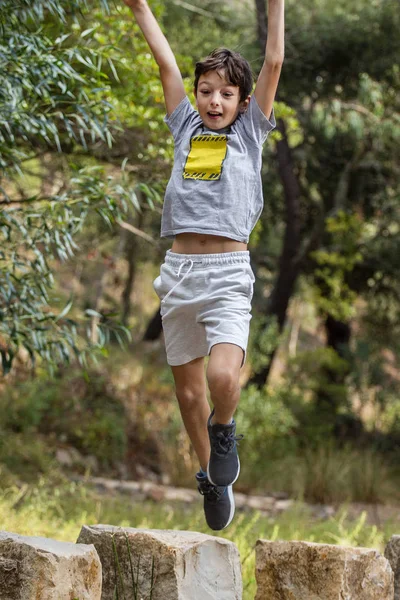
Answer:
(226, 484)
(232, 499)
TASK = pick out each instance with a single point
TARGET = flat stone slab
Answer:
(392, 553)
(308, 571)
(146, 490)
(36, 568)
(172, 565)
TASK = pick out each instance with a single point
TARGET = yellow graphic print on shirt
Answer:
(207, 153)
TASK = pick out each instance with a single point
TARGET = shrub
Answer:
(69, 409)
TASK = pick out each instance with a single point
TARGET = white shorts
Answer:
(205, 300)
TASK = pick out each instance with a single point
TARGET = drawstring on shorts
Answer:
(187, 260)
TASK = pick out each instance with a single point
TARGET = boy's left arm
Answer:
(268, 78)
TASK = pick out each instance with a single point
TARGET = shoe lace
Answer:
(223, 441)
(213, 492)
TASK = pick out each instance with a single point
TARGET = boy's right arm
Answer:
(171, 77)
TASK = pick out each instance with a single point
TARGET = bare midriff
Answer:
(199, 243)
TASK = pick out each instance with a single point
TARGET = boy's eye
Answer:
(226, 94)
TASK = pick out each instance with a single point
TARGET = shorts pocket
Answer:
(250, 280)
(157, 286)
(163, 283)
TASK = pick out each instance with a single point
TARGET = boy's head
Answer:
(222, 85)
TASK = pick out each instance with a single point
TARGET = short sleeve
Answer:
(181, 118)
(254, 124)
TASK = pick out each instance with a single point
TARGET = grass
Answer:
(58, 509)
(123, 412)
(133, 575)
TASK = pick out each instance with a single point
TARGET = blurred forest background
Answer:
(84, 161)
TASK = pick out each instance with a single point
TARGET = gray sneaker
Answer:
(219, 504)
(224, 465)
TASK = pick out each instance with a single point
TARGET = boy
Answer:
(212, 202)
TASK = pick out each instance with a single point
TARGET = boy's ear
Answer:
(244, 105)
(195, 95)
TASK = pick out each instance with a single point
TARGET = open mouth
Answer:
(214, 115)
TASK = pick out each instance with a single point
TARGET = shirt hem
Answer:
(229, 235)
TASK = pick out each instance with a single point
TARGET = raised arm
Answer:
(268, 78)
(171, 77)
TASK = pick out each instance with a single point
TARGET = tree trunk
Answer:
(131, 244)
(332, 396)
(262, 30)
(338, 335)
(289, 262)
(289, 265)
(154, 328)
(333, 393)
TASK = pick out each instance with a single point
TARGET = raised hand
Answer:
(134, 3)
(171, 77)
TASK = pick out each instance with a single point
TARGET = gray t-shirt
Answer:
(215, 185)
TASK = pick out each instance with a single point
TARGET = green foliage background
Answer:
(84, 152)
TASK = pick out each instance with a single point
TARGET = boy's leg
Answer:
(223, 371)
(223, 380)
(190, 386)
(190, 383)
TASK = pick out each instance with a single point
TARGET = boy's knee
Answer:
(189, 394)
(222, 381)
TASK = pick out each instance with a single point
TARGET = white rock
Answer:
(307, 571)
(64, 457)
(187, 565)
(35, 568)
(283, 505)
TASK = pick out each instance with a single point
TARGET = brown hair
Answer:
(237, 69)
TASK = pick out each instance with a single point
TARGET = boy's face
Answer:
(217, 100)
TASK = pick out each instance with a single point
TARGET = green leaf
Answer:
(93, 313)
(65, 311)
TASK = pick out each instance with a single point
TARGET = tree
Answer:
(348, 123)
(53, 98)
